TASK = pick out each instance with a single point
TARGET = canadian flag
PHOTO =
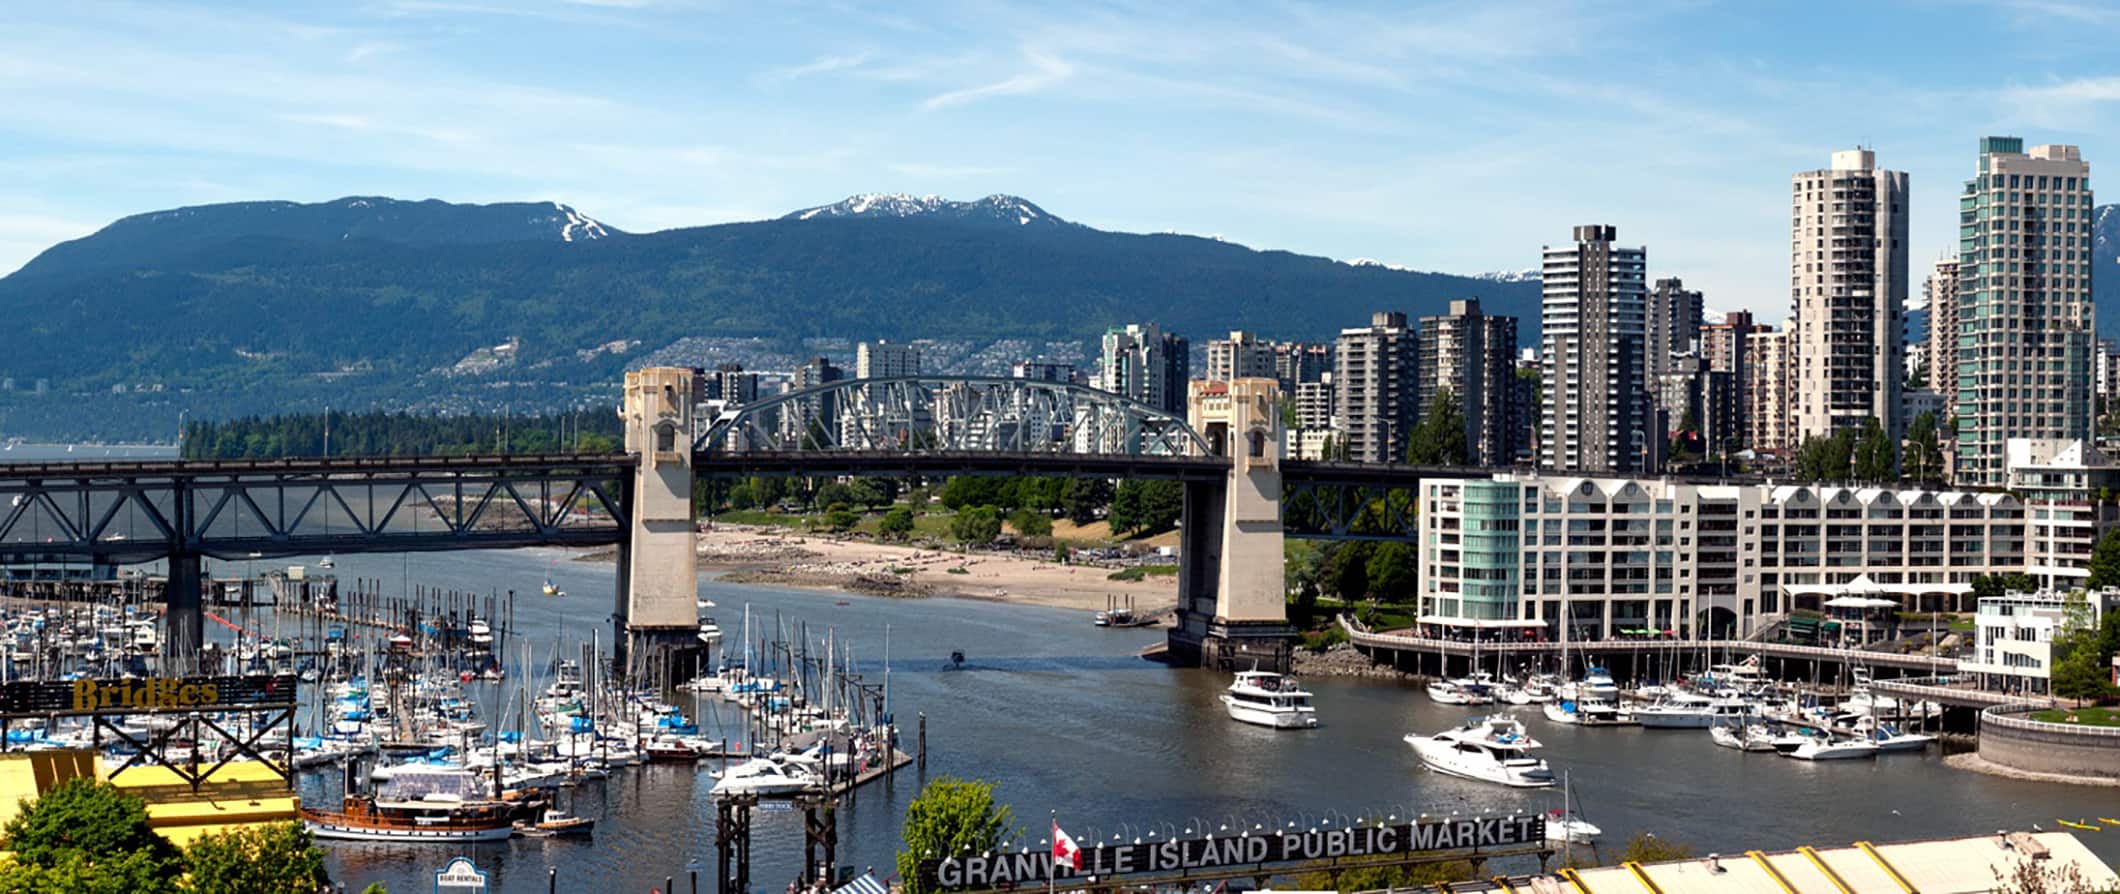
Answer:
(1065, 853)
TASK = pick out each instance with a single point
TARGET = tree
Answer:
(1348, 570)
(1988, 585)
(2105, 562)
(87, 836)
(1029, 523)
(1391, 571)
(1645, 847)
(2079, 675)
(951, 816)
(838, 517)
(1873, 453)
(1827, 458)
(278, 858)
(1083, 498)
(1144, 508)
(896, 523)
(1439, 438)
(1924, 456)
(976, 490)
(979, 524)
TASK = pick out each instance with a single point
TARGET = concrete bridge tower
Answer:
(658, 565)
(1232, 608)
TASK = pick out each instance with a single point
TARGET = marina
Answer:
(1039, 674)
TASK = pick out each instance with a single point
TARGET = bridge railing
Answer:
(2001, 715)
(1362, 636)
(1955, 687)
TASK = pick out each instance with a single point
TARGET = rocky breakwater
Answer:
(1344, 660)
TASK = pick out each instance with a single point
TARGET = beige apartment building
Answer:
(1847, 292)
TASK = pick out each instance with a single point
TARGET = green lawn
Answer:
(2082, 716)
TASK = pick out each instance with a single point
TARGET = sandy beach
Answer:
(772, 556)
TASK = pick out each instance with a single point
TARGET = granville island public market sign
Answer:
(1239, 851)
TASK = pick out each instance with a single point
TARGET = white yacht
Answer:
(1269, 699)
(1753, 737)
(1489, 749)
(1456, 692)
(1596, 685)
(1684, 710)
(1588, 713)
(1891, 738)
(761, 776)
(1827, 748)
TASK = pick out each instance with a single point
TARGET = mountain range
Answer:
(377, 302)
(368, 301)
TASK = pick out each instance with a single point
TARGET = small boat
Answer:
(327, 562)
(552, 589)
(709, 632)
(762, 776)
(1569, 828)
(1489, 749)
(2081, 827)
(1826, 748)
(556, 824)
(1269, 699)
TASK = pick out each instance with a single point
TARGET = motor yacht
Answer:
(1752, 737)
(1588, 713)
(1489, 749)
(762, 776)
(1460, 692)
(1826, 748)
(1269, 699)
(1684, 710)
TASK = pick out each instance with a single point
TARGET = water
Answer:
(37, 453)
(1064, 718)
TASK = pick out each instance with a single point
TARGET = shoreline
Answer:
(743, 554)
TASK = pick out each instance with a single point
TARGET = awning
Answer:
(1490, 623)
(864, 883)
(1861, 602)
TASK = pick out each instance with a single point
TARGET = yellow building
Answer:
(239, 794)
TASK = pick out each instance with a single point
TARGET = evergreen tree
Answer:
(1439, 438)
(951, 816)
(1873, 454)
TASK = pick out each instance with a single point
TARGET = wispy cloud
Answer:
(946, 172)
(818, 66)
(1046, 70)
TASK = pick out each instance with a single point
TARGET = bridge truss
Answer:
(138, 511)
(951, 415)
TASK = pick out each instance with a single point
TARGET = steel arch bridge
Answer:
(945, 415)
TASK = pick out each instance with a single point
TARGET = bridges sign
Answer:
(1265, 852)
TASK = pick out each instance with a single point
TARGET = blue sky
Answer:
(1456, 137)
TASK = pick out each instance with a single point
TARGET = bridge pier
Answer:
(187, 624)
(659, 559)
(1232, 608)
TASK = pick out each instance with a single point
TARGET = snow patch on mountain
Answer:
(1002, 208)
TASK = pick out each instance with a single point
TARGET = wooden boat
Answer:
(365, 819)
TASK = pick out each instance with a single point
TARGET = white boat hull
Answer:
(1812, 751)
(1277, 718)
(1445, 760)
(340, 832)
(1650, 719)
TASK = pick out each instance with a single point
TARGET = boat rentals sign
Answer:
(1268, 851)
(461, 875)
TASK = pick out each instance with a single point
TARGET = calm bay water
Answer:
(1064, 718)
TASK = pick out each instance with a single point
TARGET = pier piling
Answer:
(923, 742)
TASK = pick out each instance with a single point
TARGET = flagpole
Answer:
(1052, 859)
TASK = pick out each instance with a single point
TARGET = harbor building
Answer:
(1848, 289)
(1595, 416)
(1574, 558)
(2024, 304)
(2013, 645)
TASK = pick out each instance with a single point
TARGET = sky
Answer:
(1441, 136)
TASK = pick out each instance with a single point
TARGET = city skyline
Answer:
(1426, 139)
